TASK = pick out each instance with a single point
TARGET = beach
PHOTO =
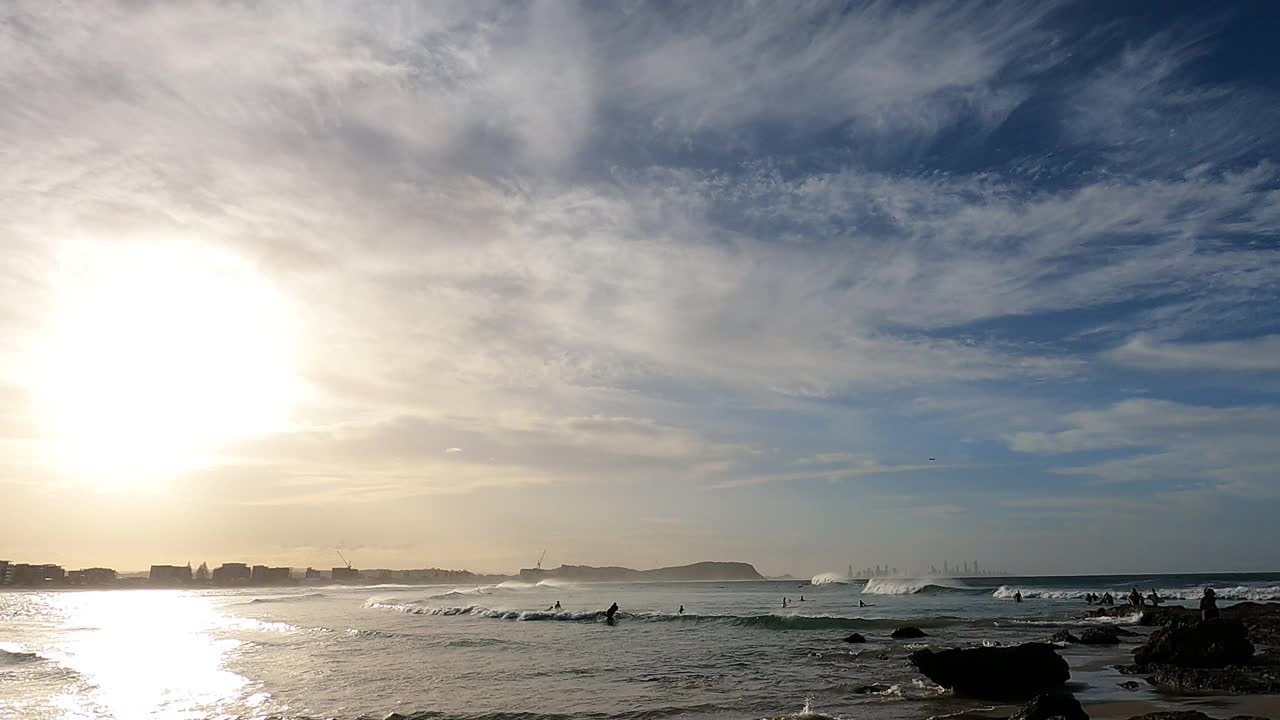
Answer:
(503, 651)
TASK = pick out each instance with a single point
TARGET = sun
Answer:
(155, 353)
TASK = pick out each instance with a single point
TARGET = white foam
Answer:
(907, 586)
(829, 578)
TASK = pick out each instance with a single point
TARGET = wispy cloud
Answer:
(1254, 354)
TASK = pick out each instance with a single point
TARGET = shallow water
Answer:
(497, 652)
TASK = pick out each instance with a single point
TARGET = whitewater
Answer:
(500, 652)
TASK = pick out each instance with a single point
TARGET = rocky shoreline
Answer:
(1236, 654)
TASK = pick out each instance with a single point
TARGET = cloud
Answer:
(1230, 449)
(1254, 354)
(453, 450)
(867, 465)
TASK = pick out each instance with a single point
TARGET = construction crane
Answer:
(541, 557)
(344, 559)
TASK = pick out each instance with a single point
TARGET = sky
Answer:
(641, 283)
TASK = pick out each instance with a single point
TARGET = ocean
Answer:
(498, 652)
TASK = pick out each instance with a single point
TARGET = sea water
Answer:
(503, 651)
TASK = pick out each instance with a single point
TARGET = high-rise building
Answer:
(170, 574)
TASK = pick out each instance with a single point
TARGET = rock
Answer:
(1230, 680)
(855, 638)
(1020, 671)
(1122, 632)
(1100, 636)
(872, 689)
(1057, 705)
(905, 633)
(1130, 685)
(1208, 644)
(1187, 715)
(396, 716)
(1063, 636)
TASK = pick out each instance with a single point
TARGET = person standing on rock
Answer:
(1209, 605)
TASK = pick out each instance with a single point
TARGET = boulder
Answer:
(905, 633)
(855, 638)
(1063, 636)
(1020, 671)
(1207, 644)
(1058, 705)
(1100, 636)
(1130, 685)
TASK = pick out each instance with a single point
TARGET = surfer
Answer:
(680, 611)
(608, 614)
(801, 598)
(861, 604)
(784, 601)
(557, 604)
(1135, 598)
(1017, 596)
(1154, 598)
(1209, 605)
(1107, 599)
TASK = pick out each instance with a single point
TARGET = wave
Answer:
(769, 621)
(905, 586)
(286, 598)
(8, 657)
(1239, 593)
(829, 579)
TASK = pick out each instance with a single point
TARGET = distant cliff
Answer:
(703, 571)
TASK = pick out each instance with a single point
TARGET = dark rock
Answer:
(1187, 715)
(904, 633)
(872, 689)
(1057, 705)
(1020, 671)
(1122, 632)
(1063, 636)
(1100, 636)
(1208, 644)
(855, 638)
(1231, 680)
(1130, 684)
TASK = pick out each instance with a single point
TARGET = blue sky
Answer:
(799, 284)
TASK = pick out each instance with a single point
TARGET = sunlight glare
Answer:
(156, 353)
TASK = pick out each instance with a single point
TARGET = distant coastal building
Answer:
(345, 574)
(170, 574)
(232, 574)
(4, 572)
(312, 574)
(263, 575)
(24, 574)
(92, 576)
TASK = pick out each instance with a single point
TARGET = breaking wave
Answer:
(286, 598)
(902, 586)
(1238, 593)
(8, 657)
(767, 621)
(829, 579)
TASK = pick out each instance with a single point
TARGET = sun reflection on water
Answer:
(148, 654)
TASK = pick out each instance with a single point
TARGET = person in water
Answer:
(608, 614)
(1017, 597)
(1107, 599)
(680, 611)
(784, 601)
(1154, 598)
(1135, 598)
(861, 604)
(1209, 605)
(801, 598)
(557, 604)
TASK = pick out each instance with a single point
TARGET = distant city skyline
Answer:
(641, 284)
